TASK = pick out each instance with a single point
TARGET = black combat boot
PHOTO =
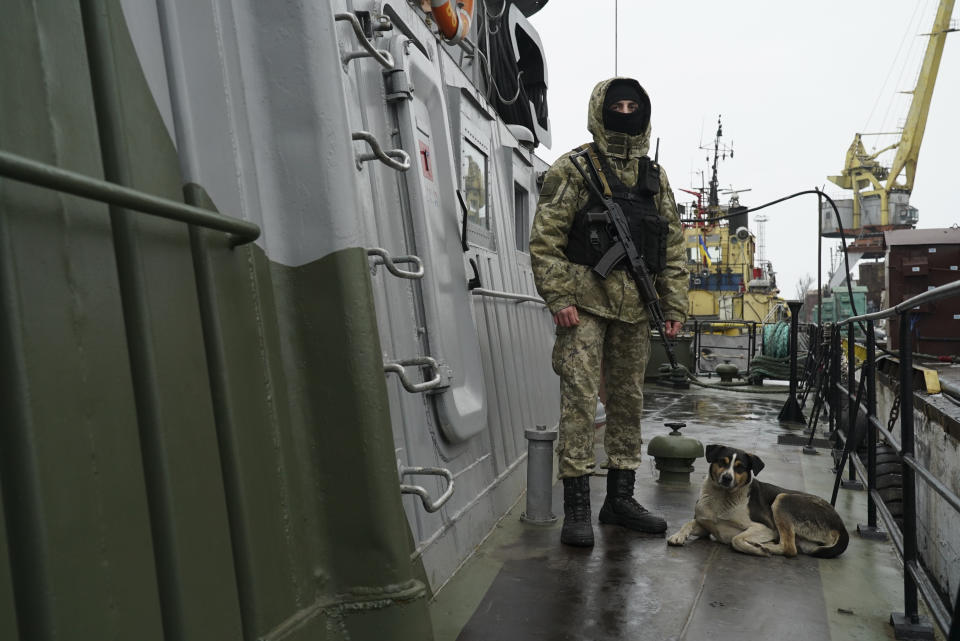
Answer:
(577, 529)
(620, 508)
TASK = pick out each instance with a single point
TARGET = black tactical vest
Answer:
(591, 236)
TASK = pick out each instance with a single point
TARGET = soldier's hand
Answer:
(567, 317)
(672, 328)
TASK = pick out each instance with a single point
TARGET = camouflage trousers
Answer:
(624, 349)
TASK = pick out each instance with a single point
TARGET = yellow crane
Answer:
(876, 186)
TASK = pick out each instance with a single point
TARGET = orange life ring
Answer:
(454, 25)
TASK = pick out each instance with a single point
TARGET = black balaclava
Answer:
(631, 124)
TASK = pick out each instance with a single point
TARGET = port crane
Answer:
(881, 194)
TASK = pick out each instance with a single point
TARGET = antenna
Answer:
(656, 155)
(714, 200)
(616, 22)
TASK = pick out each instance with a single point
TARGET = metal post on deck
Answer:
(909, 624)
(539, 476)
(696, 346)
(853, 409)
(870, 530)
(791, 412)
(810, 366)
(834, 376)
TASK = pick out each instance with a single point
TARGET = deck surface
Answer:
(523, 585)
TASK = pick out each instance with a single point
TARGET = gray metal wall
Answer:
(513, 341)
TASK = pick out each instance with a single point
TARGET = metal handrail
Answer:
(386, 157)
(929, 296)
(930, 595)
(916, 578)
(520, 298)
(428, 504)
(380, 55)
(383, 257)
(70, 182)
(933, 482)
(397, 367)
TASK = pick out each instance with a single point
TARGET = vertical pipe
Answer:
(696, 346)
(794, 328)
(616, 16)
(224, 419)
(851, 403)
(539, 476)
(819, 258)
(809, 369)
(21, 496)
(870, 371)
(791, 412)
(213, 340)
(909, 482)
(136, 314)
(834, 394)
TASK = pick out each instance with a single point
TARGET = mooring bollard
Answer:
(674, 454)
(539, 476)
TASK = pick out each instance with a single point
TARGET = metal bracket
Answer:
(380, 55)
(428, 504)
(386, 157)
(383, 257)
(517, 298)
(397, 367)
(397, 84)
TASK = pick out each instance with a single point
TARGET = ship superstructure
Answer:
(727, 281)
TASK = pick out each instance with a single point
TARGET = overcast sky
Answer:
(793, 81)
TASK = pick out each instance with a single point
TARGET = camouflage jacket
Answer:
(562, 283)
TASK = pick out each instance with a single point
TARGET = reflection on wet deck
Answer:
(523, 585)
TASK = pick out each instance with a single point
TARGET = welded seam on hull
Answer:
(360, 598)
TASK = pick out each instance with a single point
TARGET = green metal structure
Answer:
(171, 465)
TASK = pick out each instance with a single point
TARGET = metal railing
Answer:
(702, 328)
(70, 182)
(915, 576)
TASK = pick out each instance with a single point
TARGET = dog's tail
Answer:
(839, 539)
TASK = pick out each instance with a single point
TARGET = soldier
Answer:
(604, 321)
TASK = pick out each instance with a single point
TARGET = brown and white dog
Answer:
(759, 518)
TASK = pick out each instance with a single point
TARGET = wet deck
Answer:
(522, 584)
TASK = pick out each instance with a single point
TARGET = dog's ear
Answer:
(713, 452)
(755, 464)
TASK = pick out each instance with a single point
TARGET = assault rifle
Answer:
(625, 248)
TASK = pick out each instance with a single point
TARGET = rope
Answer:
(776, 367)
(776, 339)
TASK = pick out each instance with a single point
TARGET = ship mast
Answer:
(714, 199)
(720, 152)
